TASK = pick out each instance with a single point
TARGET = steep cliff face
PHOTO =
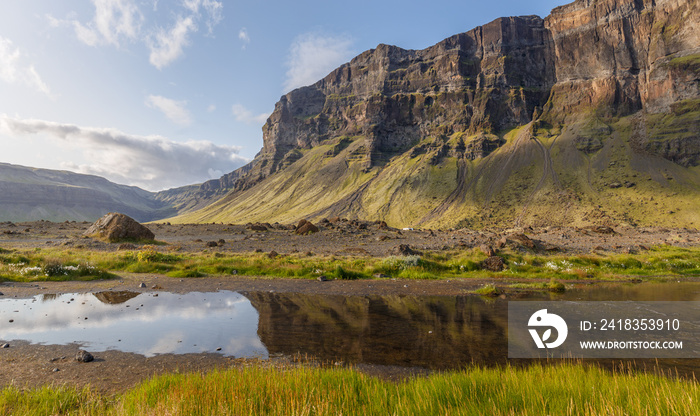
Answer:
(494, 125)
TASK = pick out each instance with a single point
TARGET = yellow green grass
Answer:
(55, 264)
(569, 389)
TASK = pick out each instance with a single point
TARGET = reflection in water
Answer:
(436, 332)
(143, 324)
(440, 332)
(114, 298)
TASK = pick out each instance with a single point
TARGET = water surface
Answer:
(440, 332)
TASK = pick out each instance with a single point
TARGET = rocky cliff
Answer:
(29, 194)
(585, 116)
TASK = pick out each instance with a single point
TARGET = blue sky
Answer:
(159, 94)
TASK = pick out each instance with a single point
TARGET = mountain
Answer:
(591, 115)
(29, 194)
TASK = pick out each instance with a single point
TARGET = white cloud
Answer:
(244, 37)
(211, 108)
(240, 113)
(118, 21)
(175, 111)
(151, 162)
(13, 70)
(167, 45)
(214, 11)
(313, 56)
(114, 21)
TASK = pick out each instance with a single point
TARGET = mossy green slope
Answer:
(540, 176)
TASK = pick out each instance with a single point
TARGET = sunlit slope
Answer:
(540, 176)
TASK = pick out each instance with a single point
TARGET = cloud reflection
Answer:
(147, 325)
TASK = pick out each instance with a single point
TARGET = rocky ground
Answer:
(26, 365)
(348, 238)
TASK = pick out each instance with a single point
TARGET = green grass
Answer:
(568, 389)
(488, 290)
(78, 264)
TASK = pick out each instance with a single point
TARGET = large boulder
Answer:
(115, 227)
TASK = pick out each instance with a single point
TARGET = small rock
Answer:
(322, 278)
(12, 320)
(221, 242)
(156, 287)
(212, 244)
(2, 294)
(84, 356)
(494, 264)
(56, 370)
(381, 276)
(272, 254)
(218, 349)
(487, 250)
(142, 285)
(5, 345)
(404, 250)
(305, 227)
(257, 227)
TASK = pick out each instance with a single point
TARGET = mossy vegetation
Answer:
(687, 63)
(567, 389)
(657, 263)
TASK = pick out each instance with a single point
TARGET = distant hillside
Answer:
(29, 194)
(590, 115)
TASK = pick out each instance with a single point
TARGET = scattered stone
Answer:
(258, 250)
(615, 185)
(404, 250)
(2, 294)
(256, 227)
(494, 264)
(156, 287)
(322, 278)
(272, 254)
(12, 320)
(487, 250)
(601, 229)
(115, 227)
(212, 244)
(381, 276)
(517, 240)
(383, 238)
(84, 356)
(221, 242)
(5, 345)
(56, 370)
(126, 246)
(305, 227)
(142, 285)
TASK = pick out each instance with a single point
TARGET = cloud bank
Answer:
(313, 56)
(150, 162)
